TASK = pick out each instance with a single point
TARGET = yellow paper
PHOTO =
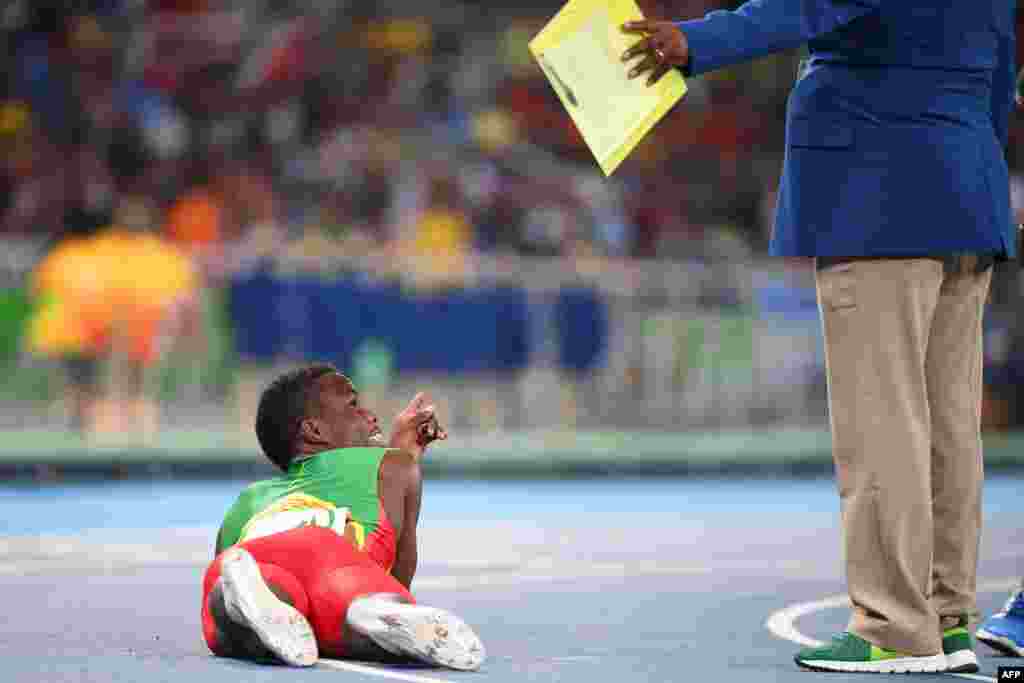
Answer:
(580, 52)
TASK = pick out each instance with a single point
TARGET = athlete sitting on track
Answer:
(319, 561)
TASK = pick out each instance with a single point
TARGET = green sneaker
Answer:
(958, 646)
(848, 652)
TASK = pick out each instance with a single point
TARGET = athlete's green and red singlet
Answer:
(335, 489)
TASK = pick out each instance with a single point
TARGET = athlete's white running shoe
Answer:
(251, 603)
(426, 634)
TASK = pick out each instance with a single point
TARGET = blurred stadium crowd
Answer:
(156, 153)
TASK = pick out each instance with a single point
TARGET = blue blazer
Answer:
(896, 126)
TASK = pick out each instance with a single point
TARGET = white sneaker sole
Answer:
(250, 602)
(1001, 643)
(902, 665)
(426, 634)
(962, 662)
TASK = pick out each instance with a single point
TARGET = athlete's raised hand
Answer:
(416, 427)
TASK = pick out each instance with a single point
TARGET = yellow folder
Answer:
(580, 52)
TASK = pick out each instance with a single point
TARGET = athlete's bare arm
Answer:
(407, 553)
(401, 491)
(401, 482)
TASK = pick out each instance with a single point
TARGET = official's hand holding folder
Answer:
(580, 51)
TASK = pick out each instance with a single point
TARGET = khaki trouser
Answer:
(903, 347)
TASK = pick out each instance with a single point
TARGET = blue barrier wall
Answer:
(457, 331)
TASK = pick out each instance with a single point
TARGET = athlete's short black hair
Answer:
(283, 406)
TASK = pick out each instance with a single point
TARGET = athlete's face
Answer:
(345, 420)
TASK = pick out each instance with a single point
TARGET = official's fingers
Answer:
(635, 50)
(649, 62)
(658, 73)
(638, 26)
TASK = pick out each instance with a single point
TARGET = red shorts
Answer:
(321, 572)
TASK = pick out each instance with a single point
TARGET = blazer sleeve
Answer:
(1004, 87)
(761, 27)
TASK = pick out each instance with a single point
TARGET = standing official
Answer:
(895, 180)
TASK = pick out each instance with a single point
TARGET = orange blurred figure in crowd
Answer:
(116, 295)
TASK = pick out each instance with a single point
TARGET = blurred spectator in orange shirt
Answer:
(116, 296)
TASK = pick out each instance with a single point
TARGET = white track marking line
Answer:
(376, 671)
(782, 622)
